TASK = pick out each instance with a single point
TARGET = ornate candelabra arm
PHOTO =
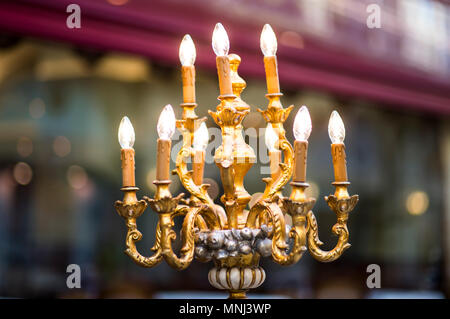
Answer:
(277, 115)
(342, 207)
(276, 216)
(297, 210)
(273, 187)
(186, 179)
(187, 234)
(130, 209)
(216, 218)
(134, 235)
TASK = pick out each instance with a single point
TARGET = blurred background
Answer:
(64, 91)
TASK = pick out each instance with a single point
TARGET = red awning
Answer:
(155, 29)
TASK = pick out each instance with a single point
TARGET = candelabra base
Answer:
(236, 280)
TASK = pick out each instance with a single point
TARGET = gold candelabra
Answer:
(233, 237)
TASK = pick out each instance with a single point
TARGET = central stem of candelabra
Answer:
(234, 157)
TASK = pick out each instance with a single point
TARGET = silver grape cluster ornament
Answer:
(221, 244)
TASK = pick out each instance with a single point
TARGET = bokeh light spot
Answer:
(151, 176)
(77, 177)
(213, 190)
(37, 108)
(61, 146)
(417, 203)
(117, 2)
(22, 173)
(292, 39)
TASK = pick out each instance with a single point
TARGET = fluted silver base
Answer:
(236, 280)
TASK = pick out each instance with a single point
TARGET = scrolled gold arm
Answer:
(167, 209)
(277, 115)
(276, 216)
(298, 211)
(185, 176)
(342, 207)
(273, 187)
(214, 218)
(168, 235)
(130, 211)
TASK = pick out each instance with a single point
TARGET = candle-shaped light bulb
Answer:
(220, 41)
(166, 123)
(268, 41)
(201, 138)
(302, 124)
(271, 138)
(268, 44)
(336, 128)
(302, 130)
(126, 133)
(126, 141)
(166, 128)
(187, 51)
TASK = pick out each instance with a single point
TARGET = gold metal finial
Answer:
(238, 83)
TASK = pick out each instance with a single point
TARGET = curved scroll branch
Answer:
(286, 167)
(214, 218)
(186, 178)
(342, 207)
(297, 210)
(168, 235)
(130, 212)
(275, 214)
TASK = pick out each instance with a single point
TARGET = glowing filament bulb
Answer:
(302, 124)
(166, 123)
(187, 51)
(336, 128)
(271, 138)
(220, 41)
(201, 138)
(268, 41)
(126, 133)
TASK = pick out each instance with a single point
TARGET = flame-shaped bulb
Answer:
(220, 41)
(201, 138)
(302, 124)
(268, 41)
(126, 133)
(336, 128)
(187, 51)
(166, 123)
(271, 137)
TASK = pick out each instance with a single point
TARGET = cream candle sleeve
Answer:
(223, 71)
(300, 155)
(188, 79)
(163, 160)
(128, 176)
(270, 65)
(339, 162)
